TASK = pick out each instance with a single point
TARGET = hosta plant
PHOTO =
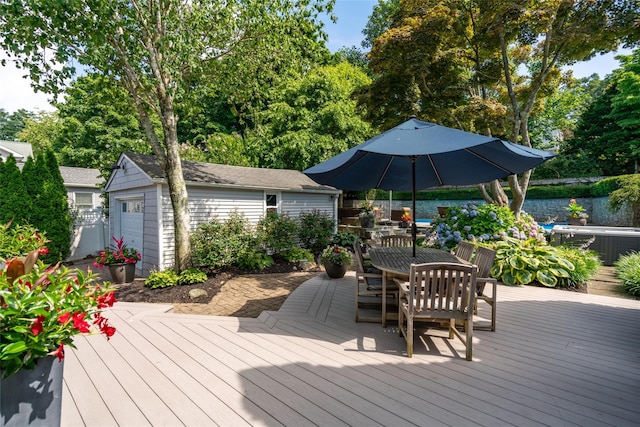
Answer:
(43, 307)
(521, 262)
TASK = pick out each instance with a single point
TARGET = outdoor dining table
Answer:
(396, 262)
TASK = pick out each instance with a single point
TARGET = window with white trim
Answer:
(272, 202)
(83, 200)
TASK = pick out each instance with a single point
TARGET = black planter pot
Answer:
(122, 273)
(33, 397)
(335, 271)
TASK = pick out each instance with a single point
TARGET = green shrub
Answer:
(521, 262)
(316, 230)
(628, 191)
(252, 259)
(628, 270)
(298, 254)
(20, 239)
(586, 263)
(191, 276)
(216, 244)
(345, 238)
(277, 232)
(161, 279)
(481, 223)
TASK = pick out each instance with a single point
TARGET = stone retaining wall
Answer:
(543, 210)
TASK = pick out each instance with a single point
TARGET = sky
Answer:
(16, 93)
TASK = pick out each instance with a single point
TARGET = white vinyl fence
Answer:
(88, 237)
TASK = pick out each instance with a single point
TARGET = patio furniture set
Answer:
(433, 286)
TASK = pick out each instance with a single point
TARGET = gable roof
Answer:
(19, 150)
(80, 177)
(218, 175)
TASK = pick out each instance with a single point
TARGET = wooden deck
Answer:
(557, 358)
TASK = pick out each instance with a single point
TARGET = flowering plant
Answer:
(19, 240)
(575, 210)
(336, 254)
(366, 208)
(41, 309)
(405, 217)
(117, 255)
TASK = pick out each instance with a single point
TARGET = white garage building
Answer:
(140, 208)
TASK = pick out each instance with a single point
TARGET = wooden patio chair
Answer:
(485, 258)
(396, 240)
(369, 284)
(437, 291)
(464, 250)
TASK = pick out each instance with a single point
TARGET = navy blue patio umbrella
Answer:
(417, 155)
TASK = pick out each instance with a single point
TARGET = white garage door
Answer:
(132, 222)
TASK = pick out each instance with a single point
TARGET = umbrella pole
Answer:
(414, 227)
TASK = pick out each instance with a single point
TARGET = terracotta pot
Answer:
(122, 273)
(33, 397)
(577, 221)
(335, 271)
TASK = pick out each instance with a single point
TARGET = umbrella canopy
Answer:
(417, 155)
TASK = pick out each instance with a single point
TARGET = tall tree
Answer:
(608, 132)
(151, 48)
(41, 131)
(12, 123)
(97, 122)
(14, 200)
(313, 119)
(485, 65)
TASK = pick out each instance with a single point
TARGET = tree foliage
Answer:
(313, 119)
(12, 123)
(485, 66)
(608, 133)
(153, 49)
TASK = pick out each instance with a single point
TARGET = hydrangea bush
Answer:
(481, 223)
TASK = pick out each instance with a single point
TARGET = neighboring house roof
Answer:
(232, 176)
(19, 150)
(80, 177)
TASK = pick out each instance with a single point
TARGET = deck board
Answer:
(556, 358)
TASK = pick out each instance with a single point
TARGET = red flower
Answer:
(60, 352)
(79, 323)
(43, 251)
(106, 300)
(36, 328)
(64, 318)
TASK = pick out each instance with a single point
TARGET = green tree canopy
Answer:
(313, 119)
(153, 49)
(12, 123)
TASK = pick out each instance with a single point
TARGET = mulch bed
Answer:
(137, 292)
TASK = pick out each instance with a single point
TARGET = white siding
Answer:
(129, 177)
(206, 204)
(295, 203)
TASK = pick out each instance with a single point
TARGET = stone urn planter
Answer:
(122, 272)
(577, 221)
(33, 397)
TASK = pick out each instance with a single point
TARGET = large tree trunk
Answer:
(179, 202)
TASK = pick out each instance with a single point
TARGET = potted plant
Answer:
(367, 217)
(42, 308)
(577, 215)
(405, 220)
(336, 260)
(121, 261)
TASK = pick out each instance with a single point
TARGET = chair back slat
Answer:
(464, 250)
(485, 257)
(443, 289)
(396, 240)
